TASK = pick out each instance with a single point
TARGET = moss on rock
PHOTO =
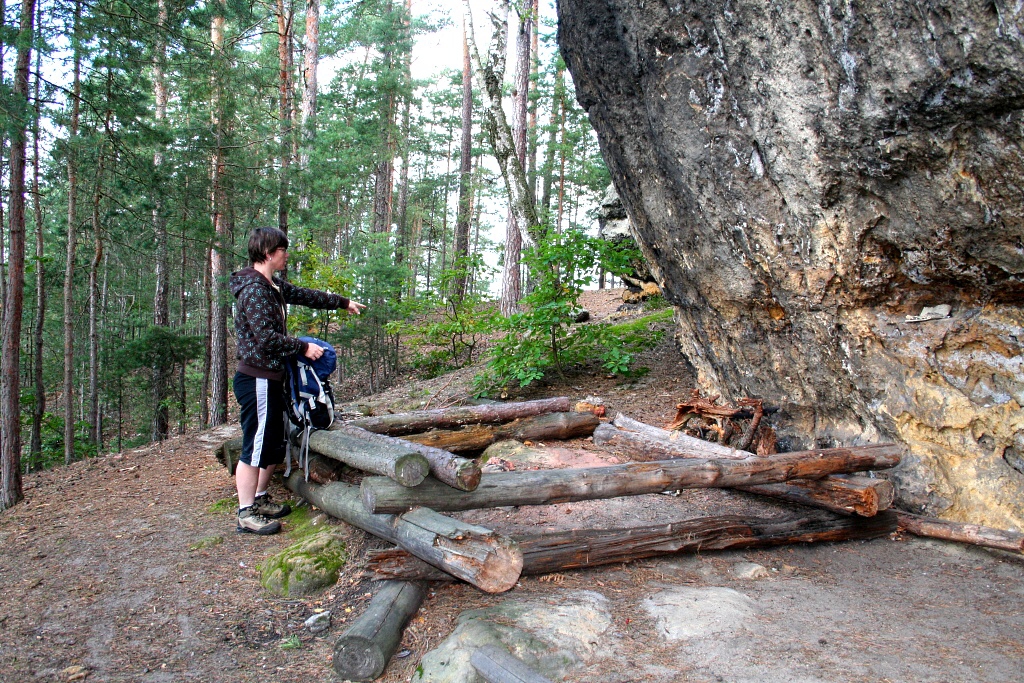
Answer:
(306, 567)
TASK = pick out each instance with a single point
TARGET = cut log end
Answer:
(411, 469)
(496, 572)
(357, 658)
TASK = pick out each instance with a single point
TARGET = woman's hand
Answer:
(354, 307)
(313, 351)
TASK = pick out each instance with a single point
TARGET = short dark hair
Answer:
(264, 241)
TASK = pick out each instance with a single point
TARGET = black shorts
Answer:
(263, 420)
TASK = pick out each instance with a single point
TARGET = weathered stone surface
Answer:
(307, 567)
(805, 175)
(549, 637)
(689, 612)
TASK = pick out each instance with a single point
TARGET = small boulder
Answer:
(307, 567)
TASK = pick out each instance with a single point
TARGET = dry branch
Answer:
(973, 534)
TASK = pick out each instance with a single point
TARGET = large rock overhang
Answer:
(803, 177)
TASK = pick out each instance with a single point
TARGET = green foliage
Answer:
(52, 441)
(544, 337)
(444, 331)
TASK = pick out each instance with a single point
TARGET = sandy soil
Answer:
(128, 568)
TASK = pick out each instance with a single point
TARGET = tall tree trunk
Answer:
(10, 385)
(39, 408)
(284, 28)
(204, 391)
(402, 241)
(465, 168)
(72, 228)
(218, 253)
(182, 322)
(383, 181)
(3, 164)
(531, 172)
(557, 111)
(491, 74)
(511, 290)
(95, 432)
(161, 313)
(309, 93)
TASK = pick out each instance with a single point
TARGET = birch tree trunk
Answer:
(72, 228)
(511, 276)
(10, 386)
(311, 59)
(490, 73)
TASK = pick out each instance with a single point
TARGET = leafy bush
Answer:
(445, 331)
(544, 336)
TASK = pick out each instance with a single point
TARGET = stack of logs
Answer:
(417, 472)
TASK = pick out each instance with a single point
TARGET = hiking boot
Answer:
(251, 521)
(270, 509)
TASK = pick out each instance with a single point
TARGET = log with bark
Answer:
(543, 487)
(850, 495)
(444, 418)
(578, 549)
(496, 665)
(646, 442)
(399, 462)
(364, 649)
(229, 452)
(475, 438)
(973, 534)
(843, 493)
(458, 472)
(479, 556)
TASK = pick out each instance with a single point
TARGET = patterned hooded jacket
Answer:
(260, 321)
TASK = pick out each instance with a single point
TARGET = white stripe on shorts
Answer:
(261, 420)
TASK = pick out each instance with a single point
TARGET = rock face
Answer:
(803, 176)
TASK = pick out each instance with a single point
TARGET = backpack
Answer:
(310, 398)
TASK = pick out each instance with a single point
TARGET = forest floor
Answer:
(127, 568)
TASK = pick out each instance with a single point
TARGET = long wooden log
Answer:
(496, 665)
(398, 462)
(973, 534)
(475, 438)
(479, 556)
(543, 487)
(364, 649)
(843, 493)
(446, 418)
(863, 496)
(646, 442)
(554, 552)
(458, 472)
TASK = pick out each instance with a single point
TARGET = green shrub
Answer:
(544, 336)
